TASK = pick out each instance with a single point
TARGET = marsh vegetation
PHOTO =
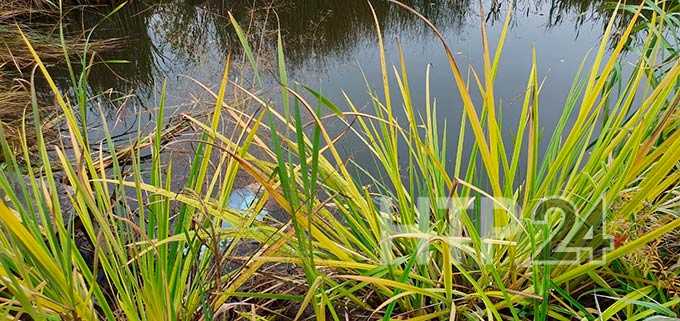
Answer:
(430, 182)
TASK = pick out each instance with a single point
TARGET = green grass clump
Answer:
(160, 254)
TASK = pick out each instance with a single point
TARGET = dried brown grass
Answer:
(15, 99)
(46, 43)
(659, 260)
(39, 21)
(25, 9)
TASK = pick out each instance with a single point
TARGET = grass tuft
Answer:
(83, 237)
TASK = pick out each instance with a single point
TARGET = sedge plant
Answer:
(376, 248)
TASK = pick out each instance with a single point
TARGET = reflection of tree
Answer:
(312, 29)
(189, 27)
(130, 26)
(319, 28)
(581, 11)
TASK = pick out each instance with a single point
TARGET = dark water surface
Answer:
(332, 45)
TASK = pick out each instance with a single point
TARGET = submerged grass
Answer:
(124, 245)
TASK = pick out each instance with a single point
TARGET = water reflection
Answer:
(173, 37)
(164, 35)
(131, 66)
(331, 46)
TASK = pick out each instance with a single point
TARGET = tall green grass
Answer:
(160, 254)
(143, 264)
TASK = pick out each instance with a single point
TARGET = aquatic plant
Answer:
(85, 239)
(604, 159)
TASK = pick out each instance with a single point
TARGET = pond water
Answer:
(332, 46)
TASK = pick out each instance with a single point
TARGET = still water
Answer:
(332, 46)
